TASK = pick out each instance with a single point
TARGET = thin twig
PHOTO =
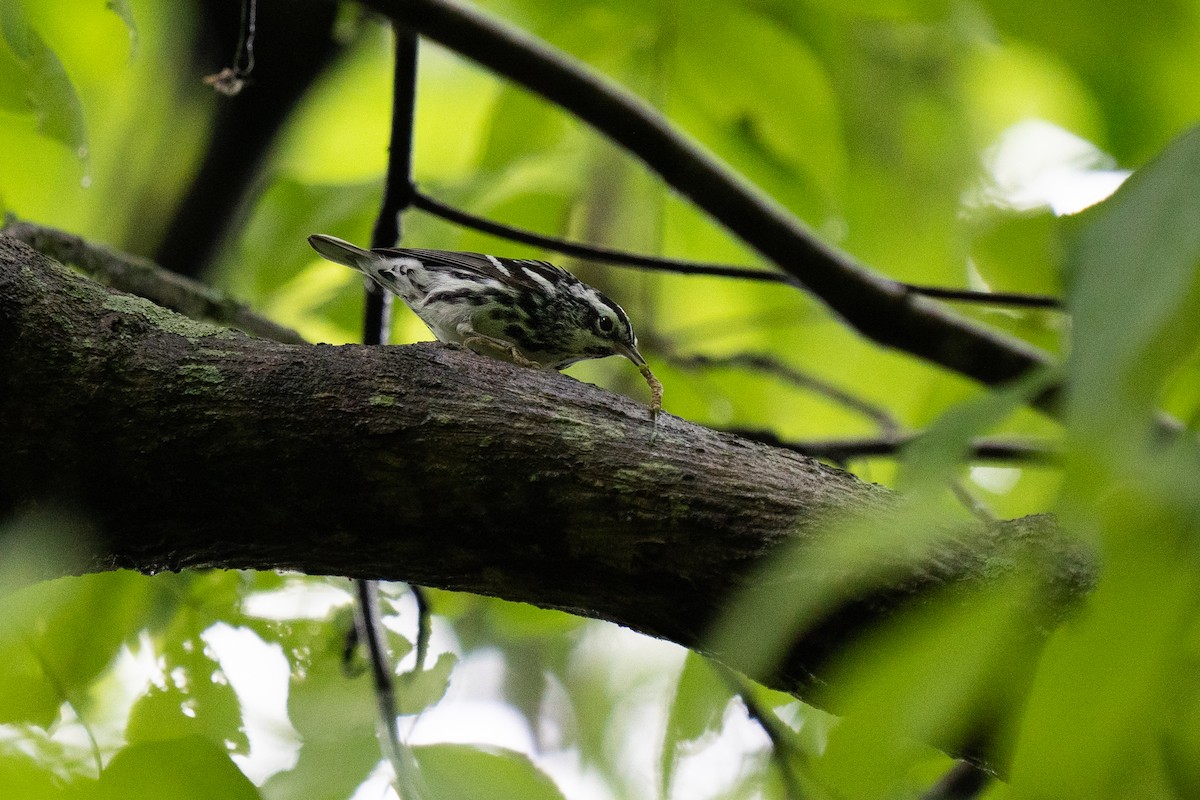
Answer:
(146, 279)
(232, 80)
(1018, 299)
(369, 624)
(881, 309)
(397, 196)
(603, 255)
(972, 503)
(760, 363)
(843, 450)
(622, 258)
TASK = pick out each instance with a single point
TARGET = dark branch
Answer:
(604, 255)
(881, 309)
(841, 451)
(397, 196)
(987, 298)
(608, 255)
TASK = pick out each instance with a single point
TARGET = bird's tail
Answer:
(341, 251)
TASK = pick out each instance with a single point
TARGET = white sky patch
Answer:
(301, 599)
(997, 480)
(712, 768)
(258, 673)
(1036, 164)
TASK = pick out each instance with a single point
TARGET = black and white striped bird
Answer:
(531, 313)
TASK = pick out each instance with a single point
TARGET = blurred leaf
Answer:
(814, 576)
(701, 696)
(755, 109)
(25, 779)
(57, 637)
(335, 717)
(1110, 680)
(418, 690)
(37, 82)
(945, 673)
(124, 10)
(1133, 291)
(197, 701)
(1020, 252)
(187, 768)
(464, 772)
(522, 125)
(941, 450)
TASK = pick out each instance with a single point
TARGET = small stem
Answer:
(397, 196)
(843, 450)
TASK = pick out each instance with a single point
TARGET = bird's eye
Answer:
(604, 324)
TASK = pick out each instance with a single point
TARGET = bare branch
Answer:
(841, 451)
(608, 255)
(604, 255)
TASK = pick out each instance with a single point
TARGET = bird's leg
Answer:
(516, 355)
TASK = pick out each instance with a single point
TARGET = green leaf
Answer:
(1109, 685)
(198, 701)
(701, 697)
(188, 768)
(938, 454)
(776, 113)
(1133, 291)
(465, 772)
(943, 673)
(335, 716)
(124, 10)
(37, 82)
(1020, 252)
(57, 637)
(25, 779)
(416, 691)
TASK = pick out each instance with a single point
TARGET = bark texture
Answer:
(191, 445)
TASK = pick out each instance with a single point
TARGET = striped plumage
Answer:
(529, 312)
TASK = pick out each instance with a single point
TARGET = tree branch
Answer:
(189, 445)
(841, 451)
(144, 278)
(884, 310)
(608, 255)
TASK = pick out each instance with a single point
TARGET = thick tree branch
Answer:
(144, 278)
(881, 309)
(194, 446)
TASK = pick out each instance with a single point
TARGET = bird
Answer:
(527, 312)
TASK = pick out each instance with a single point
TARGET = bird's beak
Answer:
(632, 354)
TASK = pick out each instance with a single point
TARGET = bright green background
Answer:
(899, 131)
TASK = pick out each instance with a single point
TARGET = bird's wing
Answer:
(518, 271)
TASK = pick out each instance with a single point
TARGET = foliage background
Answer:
(938, 142)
